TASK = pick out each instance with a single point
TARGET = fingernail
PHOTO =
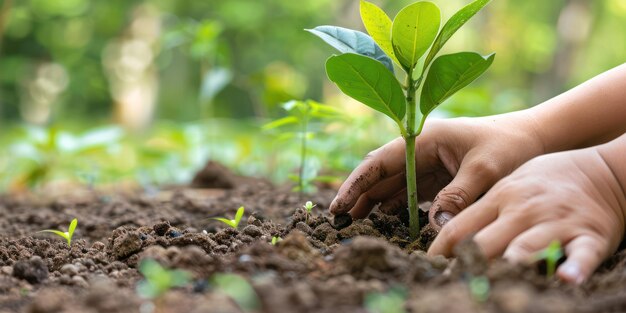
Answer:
(443, 217)
(572, 273)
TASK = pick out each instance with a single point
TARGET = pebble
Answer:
(7, 270)
(69, 269)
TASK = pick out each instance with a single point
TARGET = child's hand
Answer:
(574, 197)
(457, 161)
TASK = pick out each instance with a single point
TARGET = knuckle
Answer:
(487, 168)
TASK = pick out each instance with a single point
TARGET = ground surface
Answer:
(316, 268)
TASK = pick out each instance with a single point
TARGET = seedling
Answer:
(67, 235)
(158, 279)
(389, 302)
(365, 70)
(234, 223)
(238, 289)
(551, 255)
(301, 114)
(308, 206)
(275, 240)
(479, 288)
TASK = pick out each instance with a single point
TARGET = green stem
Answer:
(409, 138)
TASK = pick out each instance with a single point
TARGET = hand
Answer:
(458, 160)
(573, 197)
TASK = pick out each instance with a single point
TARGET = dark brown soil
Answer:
(317, 267)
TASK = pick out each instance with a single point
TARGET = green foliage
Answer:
(301, 114)
(234, 223)
(378, 25)
(452, 25)
(449, 74)
(390, 302)
(65, 235)
(369, 82)
(352, 41)
(237, 288)
(308, 206)
(479, 287)
(158, 280)
(551, 255)
(275, 240)
(413, 31)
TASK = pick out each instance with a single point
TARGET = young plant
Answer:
(275, 240)
(158, 279)
(551, 255)
(365, 71)
(479, 287)
(390, 302)
(308, 206)
(234, 223)
(300, 114)
(66, 235)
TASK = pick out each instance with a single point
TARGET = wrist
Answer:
(614, 155)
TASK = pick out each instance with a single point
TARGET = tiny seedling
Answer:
(234, 223)
(389, 302)
(551, 255)
(301, 114)
(308, 206)
(479, 288)
(365, 70)
(275, 240)
(158, 279)
(67, 235)
(238, 289)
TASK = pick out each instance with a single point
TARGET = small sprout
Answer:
(67, 235)
(234, 223)
(551, 255)
(238, 289)
(479, 288)
(308, 206)
(275, 240)
(389, 302)
(159, 280)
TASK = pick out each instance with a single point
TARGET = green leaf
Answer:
(413, 30)
(238, 215)
(226, 221)
(72, 227)
(56, 232)
(369, 82)
(449, 74)
(288, 120)
(352, 41)
(452, 25)
(378, 25)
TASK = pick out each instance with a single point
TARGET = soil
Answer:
(320, 265)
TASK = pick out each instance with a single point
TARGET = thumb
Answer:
(469, 184)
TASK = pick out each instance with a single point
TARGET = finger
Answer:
(394, 204)
(495, 237)
(379, 164)
(383, 190)
(525, 246)
(584, 255)
(472, 180)
(467, 222)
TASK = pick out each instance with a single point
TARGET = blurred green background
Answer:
(147, 91)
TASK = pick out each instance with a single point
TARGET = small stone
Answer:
(98, 246)
(126, 244)
(161, 228)
(69, 269)
(252, 231)
(7, 270)
(34, 270)
(342, 221)
(80, 281)
(244, 258)
(172, 233)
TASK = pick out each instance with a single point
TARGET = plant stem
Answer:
(409, 138)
